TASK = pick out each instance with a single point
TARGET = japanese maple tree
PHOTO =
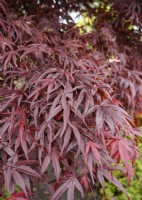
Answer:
(65, 96)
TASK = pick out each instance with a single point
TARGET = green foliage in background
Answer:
(134, 189)
(7, 195)
(85, 23)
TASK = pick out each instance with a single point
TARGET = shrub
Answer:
(60, 121)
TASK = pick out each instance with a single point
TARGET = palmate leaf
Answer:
(14, 174)
(94, 148)
(111, 115)
(121, 149)
(69, 185)
(106, 174)
(5, 42)
(86, 182)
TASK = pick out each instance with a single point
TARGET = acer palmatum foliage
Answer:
(59, 120)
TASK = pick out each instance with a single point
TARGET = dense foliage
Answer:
(133, 189)
(63, 95)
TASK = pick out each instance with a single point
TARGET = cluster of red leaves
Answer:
(58, 120)
(118, 36)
